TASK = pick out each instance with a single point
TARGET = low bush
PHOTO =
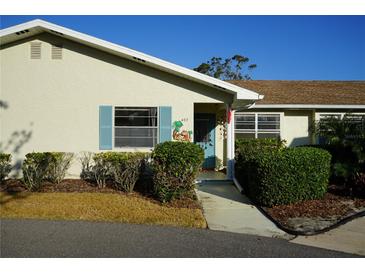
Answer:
(358, 185)
(40, 166)
(284, 176)
(175, 168)
(102, 169)
(57, 167)
(86, 160)
(5, 166)
(35, 168)
(124, 168)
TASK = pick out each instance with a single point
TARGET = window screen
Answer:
(257, 125)
(135, 126)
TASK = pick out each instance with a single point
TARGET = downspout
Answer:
(233, 149)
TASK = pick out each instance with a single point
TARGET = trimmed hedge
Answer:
(275, 176)
(5, 166)
(247, 150)
(175, 168)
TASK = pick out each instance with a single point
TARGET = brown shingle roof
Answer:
(307, 92)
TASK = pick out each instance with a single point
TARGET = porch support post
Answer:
(230, 143)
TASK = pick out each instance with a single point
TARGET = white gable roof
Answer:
(37, 26)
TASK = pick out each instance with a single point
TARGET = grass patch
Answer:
(97, 207)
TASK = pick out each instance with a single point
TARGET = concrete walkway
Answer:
(349, 237)
(226, 209)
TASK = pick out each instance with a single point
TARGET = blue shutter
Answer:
(105, 127)
(165, 124)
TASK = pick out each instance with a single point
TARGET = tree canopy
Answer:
(233, 68)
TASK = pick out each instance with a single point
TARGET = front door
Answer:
(204, 136)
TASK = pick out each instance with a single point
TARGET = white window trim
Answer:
(256, 130)
(134, 149)
(342, 114)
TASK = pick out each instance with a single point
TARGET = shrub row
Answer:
(40, 166)
(272, 174)
(5, 165)
(173, 169)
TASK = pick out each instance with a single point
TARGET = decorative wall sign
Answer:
(179, 133)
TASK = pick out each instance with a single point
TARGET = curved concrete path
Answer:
(226, 209)
(349, 237)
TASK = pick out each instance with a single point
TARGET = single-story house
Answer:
(290, 109)
(62, 90)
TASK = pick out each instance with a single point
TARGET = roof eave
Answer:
(306, 106)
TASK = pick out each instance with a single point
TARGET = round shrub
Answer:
(276, 177)
(175, 167)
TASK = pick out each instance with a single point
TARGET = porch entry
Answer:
(204, 136)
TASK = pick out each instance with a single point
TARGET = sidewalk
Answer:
(226, 209)
(349, 237)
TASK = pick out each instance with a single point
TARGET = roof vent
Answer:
(59, 33)
(22, 32)
(57, 52)
(35, 50)
(139, 59)
(219, 87)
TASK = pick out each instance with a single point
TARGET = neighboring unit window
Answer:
(35, 50)
(257, 125)
(355, 123)
(135, 126)
(56, 52)
(358, 120)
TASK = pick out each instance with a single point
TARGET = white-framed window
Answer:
(257, 125)
(135, 127)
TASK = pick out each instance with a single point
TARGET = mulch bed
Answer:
(309, 217)
(79, 185)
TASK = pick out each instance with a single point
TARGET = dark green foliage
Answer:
(175, 167)
(5, 165)
(227, 69)
(276, 175)
(345, 140)
(358, 185)
(247, 149)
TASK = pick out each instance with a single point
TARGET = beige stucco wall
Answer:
(53, 104)
(296, 127)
